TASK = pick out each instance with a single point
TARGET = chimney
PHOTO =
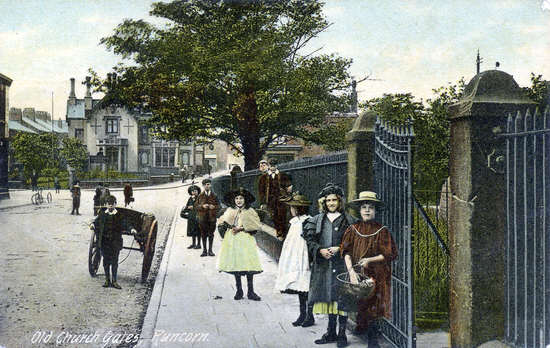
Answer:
(88, 97)
(72, 95)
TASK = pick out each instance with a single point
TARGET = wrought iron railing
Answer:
(527, 314)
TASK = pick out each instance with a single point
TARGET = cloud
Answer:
(545, 5)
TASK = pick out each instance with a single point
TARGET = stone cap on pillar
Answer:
(490, 93)
(363, 125)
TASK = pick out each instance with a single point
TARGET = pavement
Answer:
(192, 305)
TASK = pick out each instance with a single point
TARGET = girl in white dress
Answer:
(294, 273)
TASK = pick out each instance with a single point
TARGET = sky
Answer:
(408, 46)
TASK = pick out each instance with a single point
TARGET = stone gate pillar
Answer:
(360, 144)
(477, 225)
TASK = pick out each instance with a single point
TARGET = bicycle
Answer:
(37, 198)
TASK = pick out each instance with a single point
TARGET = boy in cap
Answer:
(272, 186)
(207, 208)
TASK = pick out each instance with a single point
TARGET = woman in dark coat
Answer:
(370, 245)
(323, 234)
(190, 213)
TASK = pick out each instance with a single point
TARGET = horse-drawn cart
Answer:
(146, 236)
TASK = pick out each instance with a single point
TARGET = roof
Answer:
(76, 111)
(5, 80)
(33, 124)
(17, 126)
(48, 124)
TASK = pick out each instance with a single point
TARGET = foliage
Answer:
(74, 153)
(431, 127)
(36, 151)
(538, 92)
(332, 138)
(230, 70)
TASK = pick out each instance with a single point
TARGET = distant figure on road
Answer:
(239, 253)
(128, 194)
(56, 184)
(208, 206)
(190, 213)
(184, 173)
(109, 226)
(75, 193)
(34, 180)
(97, 198)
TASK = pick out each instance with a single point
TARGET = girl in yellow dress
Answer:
(239, 252)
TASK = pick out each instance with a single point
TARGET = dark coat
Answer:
(270, 191)
(109, 229)
(324, 285)
(191, 215)
(205, 215)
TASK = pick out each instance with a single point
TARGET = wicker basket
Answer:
(350, 293)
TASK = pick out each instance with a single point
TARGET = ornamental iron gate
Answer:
(393, 182)
(528, 220)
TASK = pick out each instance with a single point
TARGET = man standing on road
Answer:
(75, 192)
(208, 205)
(128, 194)
(109, 226)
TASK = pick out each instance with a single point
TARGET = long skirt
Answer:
(239, 253)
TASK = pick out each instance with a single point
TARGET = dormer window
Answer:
(111, 126)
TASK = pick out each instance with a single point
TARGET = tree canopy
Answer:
(35, 151)
(238, 71)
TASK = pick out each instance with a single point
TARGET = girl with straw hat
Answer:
(239, 252)
(370, 245)
(294, 273)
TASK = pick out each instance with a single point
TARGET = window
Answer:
(164, 154)
(79, 133)
(143, 134)
(185, 158)
(112, 125)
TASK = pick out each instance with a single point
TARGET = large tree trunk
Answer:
(249, 129)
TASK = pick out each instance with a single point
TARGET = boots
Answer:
(310, 319)
(238, 285)
(342, 340)
(302, 316)
(251, 294)
(372, 336)
(107, 275)
(204, 252)
(330, 335)
(198, 245)
(192, 246)
(210, 242)
(114, 267)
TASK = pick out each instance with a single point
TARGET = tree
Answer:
(538, 92)
(35, 151)
(230, 70)
(430, 120)
(74, 153)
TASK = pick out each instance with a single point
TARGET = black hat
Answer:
(331, 189)
(272, 161)
(229, 198)
(111, 200)
(206, 181)
(193, 188)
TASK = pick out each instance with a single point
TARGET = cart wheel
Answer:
(94, 255)
(149, 251)
(49, 197)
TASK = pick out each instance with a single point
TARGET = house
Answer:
(120, 138)
(5, 83)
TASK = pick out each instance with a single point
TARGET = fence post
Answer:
(360, 143)
(477, 226)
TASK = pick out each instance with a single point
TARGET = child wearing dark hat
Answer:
(190, 213)
(109, 225)
(323, 234)
(239, 253)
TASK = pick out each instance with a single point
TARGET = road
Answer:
(47, 297)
